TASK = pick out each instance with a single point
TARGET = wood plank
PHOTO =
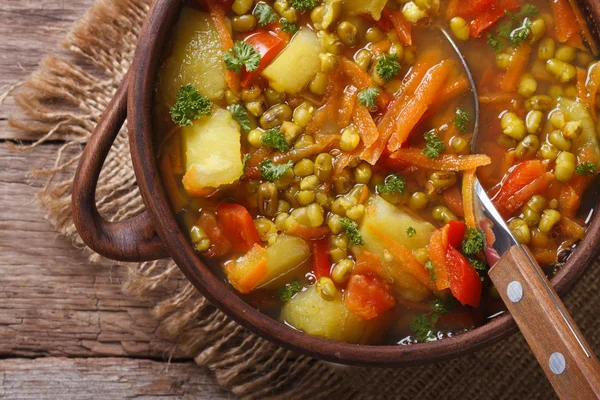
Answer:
(29, 29)
(104, 378)
(52, 301)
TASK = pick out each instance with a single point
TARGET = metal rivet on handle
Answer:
(514, 291)
(557, 363)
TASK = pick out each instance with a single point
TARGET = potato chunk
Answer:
(309, 312)
(212, 151)
(357, 7)
(283, 257)
(297, 64)
(196, 58)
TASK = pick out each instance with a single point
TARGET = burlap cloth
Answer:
(65, 98)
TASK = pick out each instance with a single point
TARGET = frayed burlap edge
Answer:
(64, 99)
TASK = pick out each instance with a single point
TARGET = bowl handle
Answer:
(133, 239)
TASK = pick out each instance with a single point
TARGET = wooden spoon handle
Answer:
(564, 355)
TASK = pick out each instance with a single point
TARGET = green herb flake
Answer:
(393, 184)
(585, 168)
(474, 242)
(189, 105)
(352, 231)
(478, 264)
(442, 306)
(288, 27)
(264, 14)
(495, 43)
(521, 34)
(289, 290)
(240, 115)
(462, 119)
(433, 145)
(429, 266)
(241, 55)
(271, 171)
(528, 10)
(367, 97)
(275, 139)
(303, 4)
(423, 327)
(410, 231)
(388, 67)
(505, 29)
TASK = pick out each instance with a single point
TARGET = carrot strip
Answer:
(415, 157)
(401, 25)
(566, 24)
(468, 195)
(247, 273)
(380, 47)
(347, 106)
(513, 203)
(424, 63)
(362, 79)
(437, 254)
(516, 68)
(571, 228)
(423, 97)
(365, 124)
(452, 89)
(454, 201)
(331, 101)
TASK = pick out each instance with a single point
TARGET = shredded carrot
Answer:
(347, 106)
(324, 143)
(402, 26)
(362, 79)
(437, 254)
(585, 30)
(255, 159)
(566, 24)
(452, 89)
(513, 203)
(415, 157)
(454, 200)
(385, 128)
(425, 62)
(380, 47)
(516, 68)
(331, 101)
(365, 124)
(364, 195)
(418, 103)
(468, 195)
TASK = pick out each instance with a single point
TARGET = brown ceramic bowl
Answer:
(155, 233)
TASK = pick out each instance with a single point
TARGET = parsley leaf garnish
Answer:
(289, 290)
(443, 306)
(264, 14)
(528, 10)
(240, 115)
(274, 138)
(495, 43)
(461, 120)
(301, 5)
(241, 55)
(367, 97)
(388, 67)
(288, 27)
(433, 145)
(393, 184)
(478, 264)
(410, 231)
(504, 29)
(423, 327)
(474, 242)
(585, 168)
(271, 171)
(521, 34)
(189, 105)
(429, 266)
(352, 232)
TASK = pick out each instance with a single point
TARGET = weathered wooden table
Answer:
(66, 330)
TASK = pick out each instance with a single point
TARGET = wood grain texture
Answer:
(104, 378)
(544, 327)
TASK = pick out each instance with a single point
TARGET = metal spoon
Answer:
(560, 348)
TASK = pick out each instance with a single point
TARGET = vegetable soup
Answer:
(318, 154)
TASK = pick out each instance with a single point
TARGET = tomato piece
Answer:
(368, 296)
(367, 263)
(402, 26)
(455, 232)
(472, 8)
(519, 177)
(320, 258)
(491, 15)
(219, 244)
(464, 280)
(268, 45)
(238, 225)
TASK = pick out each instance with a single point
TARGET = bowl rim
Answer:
(141, 93)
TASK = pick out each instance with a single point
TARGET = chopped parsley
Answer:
(462, 120)
(423, 327)
(271, 171)
(495, 43)
(474, 242)
(244, 162)
(504, 29)
(274, 138)
(289, 290)
(410, 231)
(367, 97)
(288, 27)
(429, 266)
(393, 184)
(388, 67)
(241, 55)
(585, 168)
(301, 5)
(189, 105)
(264, 14)
(433, 145)
(478, 264)
(240, 115)
(443, 306)
(528, 10)
(521, 34)
(352, 232)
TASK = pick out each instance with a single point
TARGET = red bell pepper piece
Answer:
(491, 15)
(268, 45)
(455, 233)
(473, 8)
(320, 258)
(465, 283)
(238, 226)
